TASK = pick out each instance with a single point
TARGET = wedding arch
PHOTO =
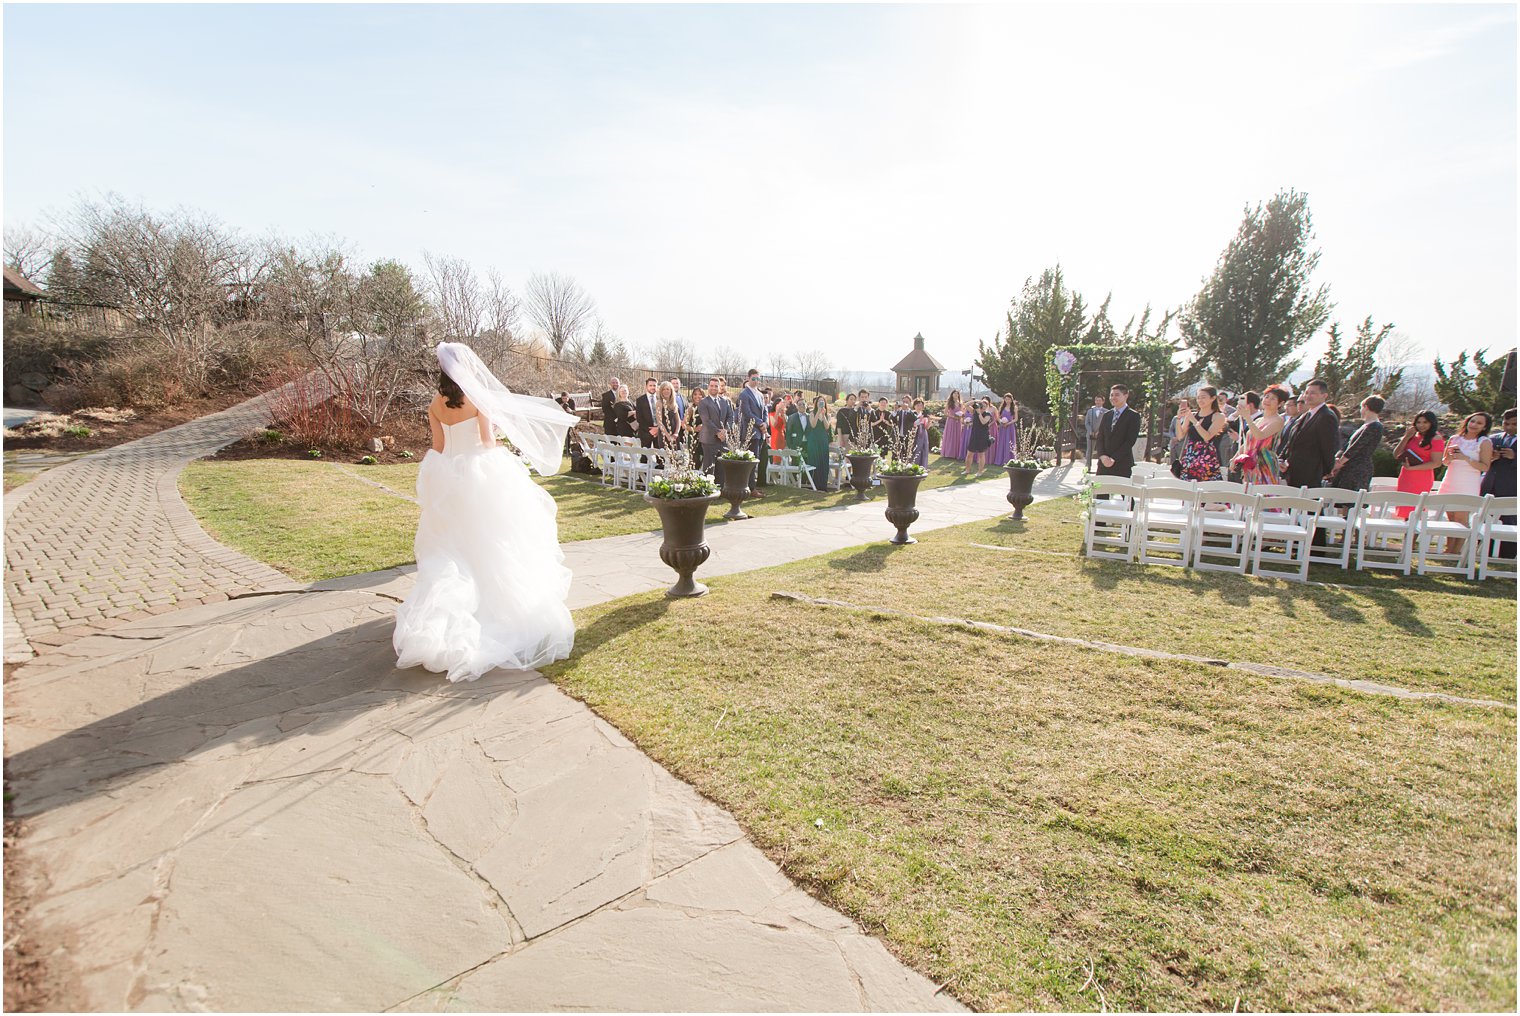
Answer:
(1151, 359)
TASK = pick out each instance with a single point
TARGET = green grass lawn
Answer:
(1012, 815)
(318, 520)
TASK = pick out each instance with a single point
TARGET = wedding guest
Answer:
(778, 424)
(715, 423)
(905, 418)
(675, 384)
(1315, 440)
(1500, 478)
(1257, 460)
(846, 418)
(754, 429)
(1353, 467)
(1468, 455)
(644, 410)
(981, 437)
(1419, 454)
(1200, 431)
(608, 399)
(798, 423)
(883, 426)
(921, 433)
(1117, 435)
(1290, 411)
(668, 417)
(1091, 422)
(1005, 443)
(621, 420)
(820, 434)
(1247, 408)
(951, 439)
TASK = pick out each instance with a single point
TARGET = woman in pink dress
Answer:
(1419, 454)
(952, 443)
(1004, 440)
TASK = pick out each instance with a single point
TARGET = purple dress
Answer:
(921, 441)
(957, 434)
(1004, 442)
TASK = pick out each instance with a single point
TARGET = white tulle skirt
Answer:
(491, 578)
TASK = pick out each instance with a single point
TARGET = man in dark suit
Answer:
(1292, 410)
(1315, 440)
(644, 412)
(907, 419)
(754, 429)
(1117, 435)
(606, 402)
(717, 415)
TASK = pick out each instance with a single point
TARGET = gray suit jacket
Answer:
(717, 414)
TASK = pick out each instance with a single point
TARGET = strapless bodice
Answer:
(462, 437)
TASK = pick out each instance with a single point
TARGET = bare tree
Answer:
(559, 306)
(1400, 355)
(503, 309)
(29, 251)
(780, 363)
(813, 365)
(454, 292)
(362, 328)
(673, 355)
(177, 275)
(728, 361)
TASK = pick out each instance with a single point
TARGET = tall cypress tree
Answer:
(1259, 306)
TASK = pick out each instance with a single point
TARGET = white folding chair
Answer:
(1145, 470)
(1275, 490)
(1222, 530)
(1492, 531)
(1284, 535)
(1110, 527)
(1384, 483)
(1431, 524)
(785, 466)
(1219, 487)
(1383, 540)
(839, 467)
(1334, 524)
(1167, 527)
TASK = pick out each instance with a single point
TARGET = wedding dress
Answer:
(491, 580)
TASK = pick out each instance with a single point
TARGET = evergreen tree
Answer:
(1472, 389)
(1353, 375)
(65, 284)
(1045, 315)
(1259, 306)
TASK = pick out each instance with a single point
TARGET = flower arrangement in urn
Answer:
(682, 496)
(1024, 467)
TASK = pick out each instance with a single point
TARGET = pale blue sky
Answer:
(795, 176)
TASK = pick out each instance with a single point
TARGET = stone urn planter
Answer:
(902, 504)
(735, 475)
(1020, 489)
(861, 464)
(684, 548)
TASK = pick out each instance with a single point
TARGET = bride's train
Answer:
(491, 579)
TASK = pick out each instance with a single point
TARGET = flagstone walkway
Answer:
(243, 805)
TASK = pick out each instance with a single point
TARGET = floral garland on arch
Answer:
(1061, 374)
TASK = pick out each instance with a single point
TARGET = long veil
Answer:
(536, 427)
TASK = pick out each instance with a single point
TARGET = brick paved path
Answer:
(107, 539)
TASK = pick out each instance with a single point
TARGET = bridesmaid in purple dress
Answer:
(1004, 440)
(952, 443)
(921, 434)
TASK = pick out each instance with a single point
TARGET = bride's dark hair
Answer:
(453, 395)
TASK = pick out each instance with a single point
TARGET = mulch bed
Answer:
(109, 435)
(408, 431)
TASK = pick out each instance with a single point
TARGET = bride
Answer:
(491, 580)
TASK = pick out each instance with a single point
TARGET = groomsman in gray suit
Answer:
(717, 423)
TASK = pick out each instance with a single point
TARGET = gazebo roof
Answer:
(919, 360)
(15, 282)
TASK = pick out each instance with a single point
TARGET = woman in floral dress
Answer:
(1257, 460)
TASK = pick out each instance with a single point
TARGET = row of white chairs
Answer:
(624, 462)
(1224, 526)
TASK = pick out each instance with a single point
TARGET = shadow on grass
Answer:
(1247, 593)
(609, 626)
(867, 560)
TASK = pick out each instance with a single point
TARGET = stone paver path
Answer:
(243, 805)
(106, 538)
